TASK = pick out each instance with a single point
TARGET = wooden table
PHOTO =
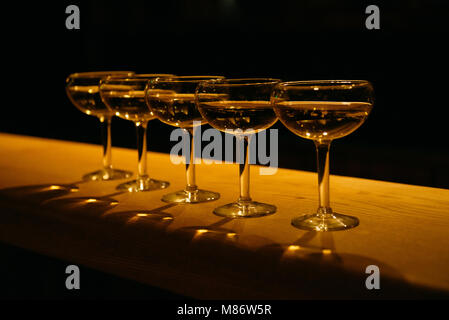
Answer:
(404, 229)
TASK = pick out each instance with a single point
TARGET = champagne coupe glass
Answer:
(240, 107)
(173, 102)
(321, 111)
(83, 91)
(125, 96)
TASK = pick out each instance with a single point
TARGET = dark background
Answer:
(404, 139)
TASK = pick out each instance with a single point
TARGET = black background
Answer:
(404, 139)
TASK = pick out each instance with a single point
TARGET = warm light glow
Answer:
(55, 188)
(201, 231)
(91, 200)
(326, 251)
(142, 214)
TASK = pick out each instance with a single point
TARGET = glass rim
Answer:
(326, 82)
(242, 82)
(95, 74)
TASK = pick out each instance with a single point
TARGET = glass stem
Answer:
(190, 165)
(106, 140)
(141, 128)
(322, 155)
(244, 171)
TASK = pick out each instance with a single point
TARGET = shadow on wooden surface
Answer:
(223, 259)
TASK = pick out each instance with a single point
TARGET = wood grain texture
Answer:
(403, 229)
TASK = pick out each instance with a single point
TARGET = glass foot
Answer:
(197, 196)
(145, 184)
(325, 222)
(107, 174)
(247, 209)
